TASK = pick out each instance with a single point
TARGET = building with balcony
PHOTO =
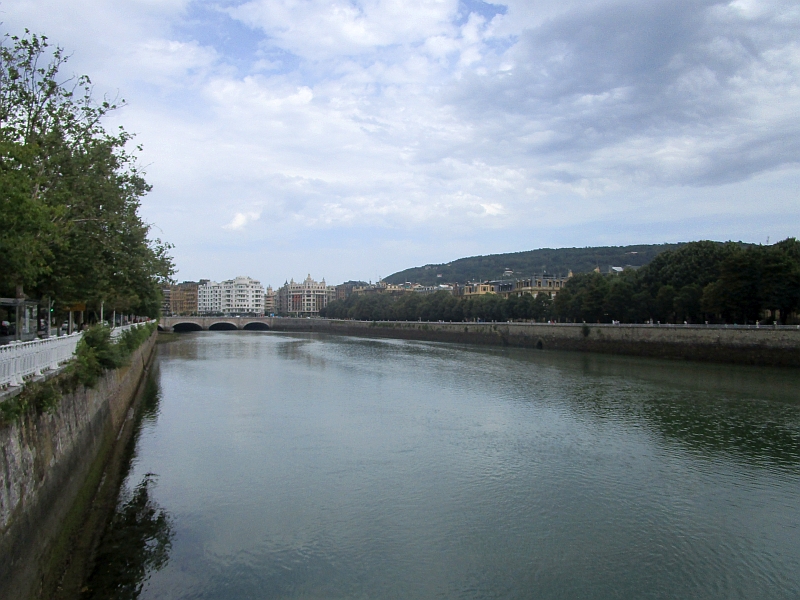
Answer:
(527, 286)
(209, 297)
(304, 299)
(183, 298)
(240, 296)
(270, 301)
(166, 306)
(536, 285)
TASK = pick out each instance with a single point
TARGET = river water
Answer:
(274, 465)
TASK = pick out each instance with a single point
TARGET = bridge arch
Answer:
(256, 326)
(223, 326)
(187, 326)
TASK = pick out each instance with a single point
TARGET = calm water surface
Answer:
(275, 465)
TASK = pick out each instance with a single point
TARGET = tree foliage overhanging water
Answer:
(700, 281)
(70, 191)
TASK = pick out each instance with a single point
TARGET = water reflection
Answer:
(748, 414)
(138, 539)
(305, 465)
(136, 544)
(751, 414)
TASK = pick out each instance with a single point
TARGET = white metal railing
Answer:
(775, 327)
(19, 360)
(117, 331)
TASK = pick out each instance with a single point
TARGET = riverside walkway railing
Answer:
(522, 323)
(21, 360)
(117, 331)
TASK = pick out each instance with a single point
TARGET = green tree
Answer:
(542, 307)
(70, 189)
(665, 304)
(780, 279)
(687, 303)
(27, 222)
(693, 263)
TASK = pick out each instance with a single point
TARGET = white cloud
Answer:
(323, 28)
(241, 219)
(349, 120)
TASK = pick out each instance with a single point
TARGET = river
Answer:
(275, 465)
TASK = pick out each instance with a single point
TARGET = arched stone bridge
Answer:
(215, 323)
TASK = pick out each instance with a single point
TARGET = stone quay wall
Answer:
(762, 346)
(50, 468)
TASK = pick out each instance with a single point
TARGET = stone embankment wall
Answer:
(765, 346)
(50, 467)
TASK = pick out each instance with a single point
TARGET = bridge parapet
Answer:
(214, 323)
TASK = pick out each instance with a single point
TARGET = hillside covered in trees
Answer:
(697, 282)
(557, 261)
(70, 192)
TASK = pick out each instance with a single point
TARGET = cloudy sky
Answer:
(352, 139)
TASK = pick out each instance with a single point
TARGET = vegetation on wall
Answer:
(70, 191)
(95, 354)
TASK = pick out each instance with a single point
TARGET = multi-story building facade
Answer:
(270, 304)
(304, 299)
(343, 290)
(382, 287)
(242, 295)
(476, 289)
(239, 296)
(209, 297)
(536, 285)
(432, 289)
(183, 298)
(526, 286)
(166, 307)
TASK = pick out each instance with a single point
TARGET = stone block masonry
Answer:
(764, 346)
(50, 468)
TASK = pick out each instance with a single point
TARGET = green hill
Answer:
(558, 261)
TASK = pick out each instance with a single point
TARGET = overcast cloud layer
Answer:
(351, 139)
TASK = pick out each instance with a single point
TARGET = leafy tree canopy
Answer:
(70, 191)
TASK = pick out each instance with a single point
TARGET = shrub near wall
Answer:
(53, 462)
(96, 353)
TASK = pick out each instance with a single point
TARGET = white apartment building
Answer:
(209, 297)
(238, 296)
(306, 298)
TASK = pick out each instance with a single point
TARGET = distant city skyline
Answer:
(354, 139)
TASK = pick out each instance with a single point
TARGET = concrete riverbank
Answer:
(764, 346)
(51, 468)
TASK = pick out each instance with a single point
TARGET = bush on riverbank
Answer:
(95, 354)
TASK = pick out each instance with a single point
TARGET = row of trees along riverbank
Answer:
(70, 192)
(700, 281)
